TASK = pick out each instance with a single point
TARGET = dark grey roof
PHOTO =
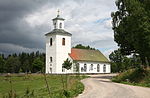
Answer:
(58, 18)
(59, 31)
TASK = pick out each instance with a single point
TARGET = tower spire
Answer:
(58, 21)
(58, 12)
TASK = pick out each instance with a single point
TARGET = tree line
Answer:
(80, 46)
(27, 62)
(22, 62)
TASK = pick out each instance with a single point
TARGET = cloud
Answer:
(24, 22)
(12, 48)
(107, 52)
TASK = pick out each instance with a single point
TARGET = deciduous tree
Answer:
(131, 25)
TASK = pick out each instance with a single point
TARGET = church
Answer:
(58, 49)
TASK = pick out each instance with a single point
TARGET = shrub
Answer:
(137, 76)
(131, 75)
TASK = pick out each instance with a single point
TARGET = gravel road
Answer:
(100, 86)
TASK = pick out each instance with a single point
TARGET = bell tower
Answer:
(58, 22)
(58, 46)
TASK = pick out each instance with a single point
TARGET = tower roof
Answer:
(59, 32)
(58, 27)
(58, 17)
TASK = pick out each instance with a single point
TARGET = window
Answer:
(50, 70)
(55, 25)
(63, 70)
(60, 25)
(98, 68)
(85, 67)
(51, 59)
(104, 68)
(76, 67)
(63, 41)
(82, 69)
(51, 41)
(91, 67)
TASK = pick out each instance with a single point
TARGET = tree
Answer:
(2, 63)
(121, 63)
(116, 61)
(132, 28)
(23, 59)
(67, 65)
(22, 62)
(26, 66)
(37, 65)
(80, 46)
(12, 64)
(116, 56)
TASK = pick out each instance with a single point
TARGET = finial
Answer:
(58, 13)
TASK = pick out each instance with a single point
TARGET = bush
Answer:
(137, 76)
(132, 75)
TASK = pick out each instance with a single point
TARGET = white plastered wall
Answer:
(88, 64)
(50, 52)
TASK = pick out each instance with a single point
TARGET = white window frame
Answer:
(104, 68)
(98, 67)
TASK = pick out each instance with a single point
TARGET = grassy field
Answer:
(34, 86)
(137, 76)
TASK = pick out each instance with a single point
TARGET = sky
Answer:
(24, 23)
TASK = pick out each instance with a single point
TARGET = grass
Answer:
(137, 76)
(35, 84)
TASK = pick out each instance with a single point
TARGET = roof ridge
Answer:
(87, 49)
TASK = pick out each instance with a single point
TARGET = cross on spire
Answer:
(58, 13)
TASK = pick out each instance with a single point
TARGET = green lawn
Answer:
(35, 85)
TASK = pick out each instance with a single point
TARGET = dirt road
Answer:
(100, 86)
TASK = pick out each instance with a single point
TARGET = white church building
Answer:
(58, 49)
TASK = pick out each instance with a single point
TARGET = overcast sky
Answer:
(23, 23)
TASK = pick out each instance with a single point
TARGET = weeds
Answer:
(40, 86)
(47, 86)
(29, 94)
(11, 92)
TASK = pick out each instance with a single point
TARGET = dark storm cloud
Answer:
(15, 31)
(13, 9)
(23, 23)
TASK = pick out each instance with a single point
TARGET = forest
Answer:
(23, 62)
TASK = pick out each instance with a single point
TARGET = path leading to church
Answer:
(100, 86)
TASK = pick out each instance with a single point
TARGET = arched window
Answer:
(55, 25)
(60, 25)
(91, 67)
(51, 59)
(76, 67)
(85, 67)
(63, 41)
(51, 41)
(98, 68)
(82, 69)
(50, 70)
(63, 69)
(104, 68)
